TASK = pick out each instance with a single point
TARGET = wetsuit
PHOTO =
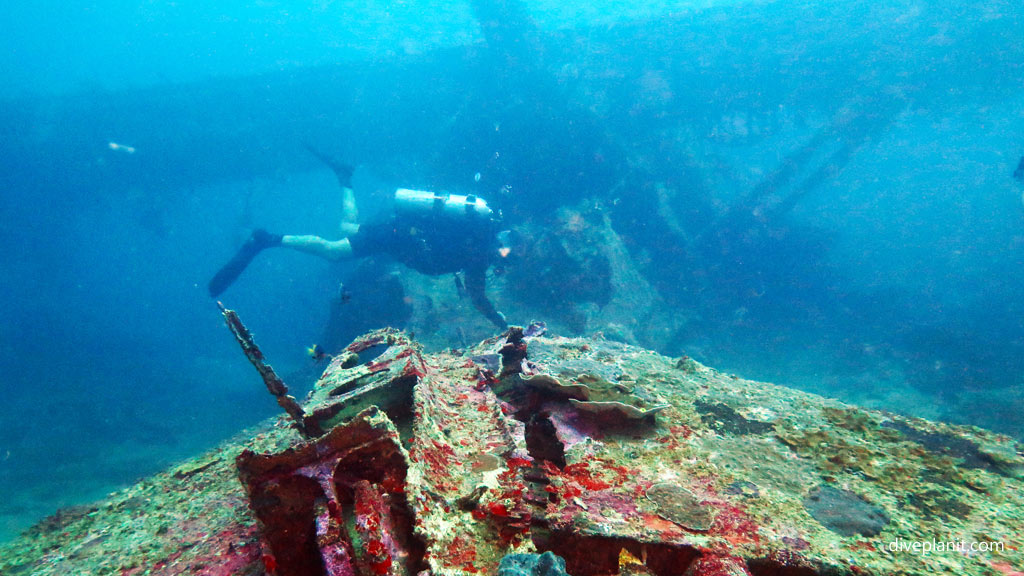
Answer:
(437, 245)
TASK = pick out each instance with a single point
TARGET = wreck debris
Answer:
(700, 490)
(386, 381)
(513, 352)
(462, 439)
(542, 440)
(275, 385)
(335, 506)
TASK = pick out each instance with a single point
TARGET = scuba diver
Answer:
(431, 233)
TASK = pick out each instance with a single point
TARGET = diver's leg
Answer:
(261, 240)
(349, 212)
(226, 276)
(317, 246)
(343, 172)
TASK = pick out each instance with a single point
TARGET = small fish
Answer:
(316, 352)
(343, 294)
(1018, 174)
(121, 148)
(476, 177)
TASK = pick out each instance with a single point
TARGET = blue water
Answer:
(837, 212)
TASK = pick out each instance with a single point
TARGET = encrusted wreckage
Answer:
(614, 458)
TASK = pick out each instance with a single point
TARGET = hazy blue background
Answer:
(896, 281)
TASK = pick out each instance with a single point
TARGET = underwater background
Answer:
(820, 195)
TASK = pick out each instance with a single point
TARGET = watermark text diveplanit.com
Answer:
(953, 545)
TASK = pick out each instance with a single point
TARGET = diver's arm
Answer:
(317, 246)
(476, 286)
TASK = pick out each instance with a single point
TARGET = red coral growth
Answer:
(670, 442)
(375, 367)
(438, 457)
(735, 525)
(376, 548)
(270, 563)
(440, 460)
(497, 509)
(510, 514)
(382, 567)
(681, 430)
(580, 473)
(514, 463)
(667, 530)
(412, 370)
(484, 378)
(370, 508)
(393, 483)
(461, 554)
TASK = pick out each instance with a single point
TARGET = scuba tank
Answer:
(453, 206)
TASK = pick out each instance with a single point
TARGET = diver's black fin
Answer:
(341, 170)
(230, 272)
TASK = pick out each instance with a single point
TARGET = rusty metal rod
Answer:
(275, 385)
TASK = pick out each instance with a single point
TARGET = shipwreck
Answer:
(612, 458)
